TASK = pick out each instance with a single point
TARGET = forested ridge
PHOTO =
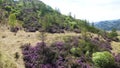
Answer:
(35, 15)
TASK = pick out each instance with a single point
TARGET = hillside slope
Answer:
(33, 35)
(34, 15)
(10, 44)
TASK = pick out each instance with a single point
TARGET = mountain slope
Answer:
(108, 25)
(58, 50)
(34, 15)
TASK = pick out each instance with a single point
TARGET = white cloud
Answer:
(92, 10)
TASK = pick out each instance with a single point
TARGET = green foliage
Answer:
(37, 16)
(20, 5)
(46, 22)
(113, 33)
(76, 51)
(12, 20)
(103, 59)
(1, 2)
(72, 24)
(8, 8)
(16, 12)
(87, 47)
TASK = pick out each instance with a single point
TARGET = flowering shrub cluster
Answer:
(117, 60)
(74, 52)
(39, 56)
(102, 45)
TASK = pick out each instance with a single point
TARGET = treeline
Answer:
(34, 15)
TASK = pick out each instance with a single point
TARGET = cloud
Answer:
(92, 10)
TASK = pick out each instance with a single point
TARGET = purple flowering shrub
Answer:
(117, 60)
(101, 45)
(74, 52)
(55, 56)
(39, 56)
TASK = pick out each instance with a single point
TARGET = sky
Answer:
(90, 10)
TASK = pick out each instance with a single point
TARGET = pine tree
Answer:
(12, 20)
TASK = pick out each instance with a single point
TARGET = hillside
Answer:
(34, 35)
(108, 25)
(11, 43)
(34, 15)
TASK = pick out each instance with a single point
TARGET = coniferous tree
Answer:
(12, 20)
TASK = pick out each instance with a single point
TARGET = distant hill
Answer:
(108, 25)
